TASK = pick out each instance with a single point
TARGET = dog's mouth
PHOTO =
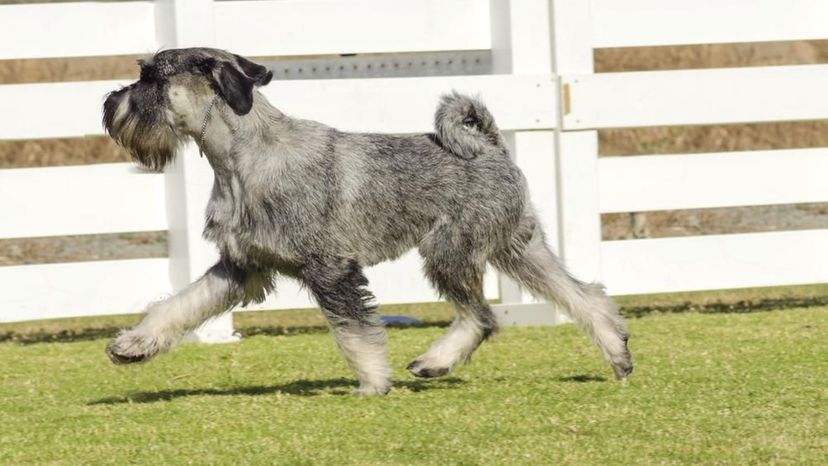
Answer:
(133, 117)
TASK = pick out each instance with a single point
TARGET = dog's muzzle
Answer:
(134, 118)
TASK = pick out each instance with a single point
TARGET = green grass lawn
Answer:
(722, 388)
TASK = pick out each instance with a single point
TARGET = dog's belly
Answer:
(385, 253)
(286, 251)
(376, 234)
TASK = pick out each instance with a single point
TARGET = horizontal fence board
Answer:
(126, 286)
(394, 282)
(397, 105)
(76, 29)
(407, 105)
(53, 110)
(697, 181)
(667, 265)
(637, 23)
(86, 199)
(300, 27)
(82, 288)
(687, 97)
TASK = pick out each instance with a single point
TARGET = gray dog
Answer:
(299, 199)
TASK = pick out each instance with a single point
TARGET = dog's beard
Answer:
(134, 118)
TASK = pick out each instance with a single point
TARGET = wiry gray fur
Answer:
(297, 198)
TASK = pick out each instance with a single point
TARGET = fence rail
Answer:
(53, 110)
(80, 29)
(703, 181)
(300, 27)
(666, 265)
(686, 97)
(47, 291)
(106, 198)
(406, 105)
(545, 96)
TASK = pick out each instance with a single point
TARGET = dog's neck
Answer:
(221, 129)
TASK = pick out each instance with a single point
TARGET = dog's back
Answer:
(390, 191)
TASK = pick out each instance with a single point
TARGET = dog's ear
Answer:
(260, 75)
(235, 82)
(234, 87)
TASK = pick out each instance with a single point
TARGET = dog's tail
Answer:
(465, 127)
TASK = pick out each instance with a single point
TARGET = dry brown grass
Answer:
(713, 138)
(83, 248)
(64, 151)
(720, 221)
(711, 56)
(47, 70)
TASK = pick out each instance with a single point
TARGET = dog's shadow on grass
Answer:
(337, 387)
(582, 378)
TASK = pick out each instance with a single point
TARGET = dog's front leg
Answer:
(339, 287)
(165, 322)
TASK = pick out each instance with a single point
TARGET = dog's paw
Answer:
(622, 370)
(422, 369)
(132, 347)
(373, 389)
(622, 364)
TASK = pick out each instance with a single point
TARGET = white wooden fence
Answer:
(544, 95)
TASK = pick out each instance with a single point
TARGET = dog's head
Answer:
(152, 116)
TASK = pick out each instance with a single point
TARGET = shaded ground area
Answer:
(310, 321)
(708, 388)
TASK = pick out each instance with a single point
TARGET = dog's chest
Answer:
(251, 226)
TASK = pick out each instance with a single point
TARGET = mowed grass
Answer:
(708, 388)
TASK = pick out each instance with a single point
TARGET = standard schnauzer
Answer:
(297, 198)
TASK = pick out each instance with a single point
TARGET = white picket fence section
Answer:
(545, 96)
(686, 97)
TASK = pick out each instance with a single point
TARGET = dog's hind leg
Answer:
(339, 287)
(457, 273)
(217, 291)
(528, 260)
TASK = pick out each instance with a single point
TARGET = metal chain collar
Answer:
(207, 116)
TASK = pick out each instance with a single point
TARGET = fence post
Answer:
(521, 40)
(580, 218)
(188, 181)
